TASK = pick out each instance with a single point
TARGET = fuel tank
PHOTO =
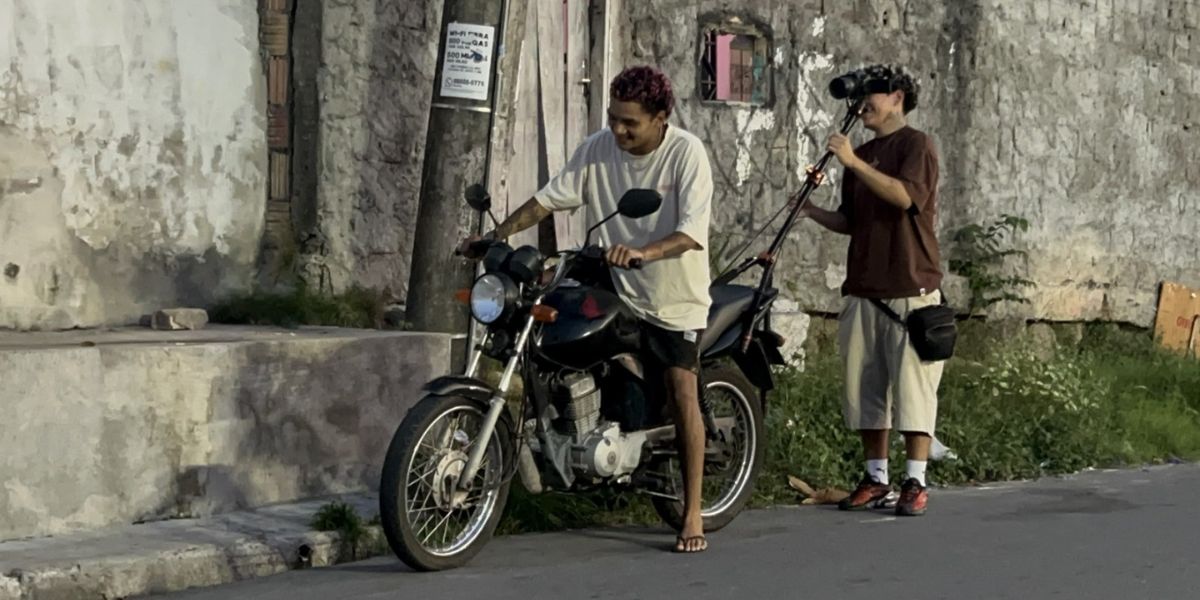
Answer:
(593, 325)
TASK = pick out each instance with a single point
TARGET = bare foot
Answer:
(691, 545)
(691, 539)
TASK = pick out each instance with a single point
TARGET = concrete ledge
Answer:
(117, 427)
(170, 556)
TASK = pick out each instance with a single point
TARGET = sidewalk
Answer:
(179, 554)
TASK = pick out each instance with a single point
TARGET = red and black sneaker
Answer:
(865, 495)
(913, 499)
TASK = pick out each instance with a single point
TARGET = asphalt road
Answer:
(1099, 535)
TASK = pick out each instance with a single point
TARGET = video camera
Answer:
(859, 83)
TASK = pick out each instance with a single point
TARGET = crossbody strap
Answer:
(893, 315)
(887, 310)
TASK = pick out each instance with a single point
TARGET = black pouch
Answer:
(932, 329)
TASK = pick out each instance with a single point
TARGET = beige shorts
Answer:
(887, 385)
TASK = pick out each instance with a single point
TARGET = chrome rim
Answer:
(442, 527)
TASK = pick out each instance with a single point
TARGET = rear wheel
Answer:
(729, 478)
(429, 524)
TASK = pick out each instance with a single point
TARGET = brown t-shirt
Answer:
(893, 253)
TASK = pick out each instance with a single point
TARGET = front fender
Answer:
(460, 385)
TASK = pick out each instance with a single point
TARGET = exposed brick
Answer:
(278, 128)
(280, 188)
(275, 30)
(277, 80)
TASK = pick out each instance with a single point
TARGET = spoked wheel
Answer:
(731, 465)
(429, 522)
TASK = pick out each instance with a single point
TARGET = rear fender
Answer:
(755, 364)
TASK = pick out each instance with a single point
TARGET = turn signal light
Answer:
(463, 296)
(544, 314)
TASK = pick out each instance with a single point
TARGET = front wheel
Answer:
(428, 523)
(729, 478)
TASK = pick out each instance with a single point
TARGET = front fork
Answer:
(495, 408)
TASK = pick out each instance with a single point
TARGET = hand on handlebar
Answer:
(473, 247)
(625, 257)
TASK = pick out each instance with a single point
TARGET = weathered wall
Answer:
(132, 156)
(1080, 116)
(208, 421)
(375, 83)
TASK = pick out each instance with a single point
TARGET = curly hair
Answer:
(646, 86)
(899, 79)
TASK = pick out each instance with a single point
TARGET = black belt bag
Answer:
(932, 329)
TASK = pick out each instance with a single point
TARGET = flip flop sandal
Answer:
(681, 544)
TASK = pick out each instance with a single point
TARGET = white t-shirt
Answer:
(673, 292)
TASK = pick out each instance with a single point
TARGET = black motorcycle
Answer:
(590, 415)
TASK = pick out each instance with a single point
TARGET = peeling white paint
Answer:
(835, 275)
(818, 26)
(811, 118)
(780, 58)
(148, 119)
(749, 122)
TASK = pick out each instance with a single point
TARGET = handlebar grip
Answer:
(474, 249)
(635, 263)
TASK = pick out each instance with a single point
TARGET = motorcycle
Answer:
(591, 414)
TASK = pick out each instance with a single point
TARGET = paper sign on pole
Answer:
(467, 63)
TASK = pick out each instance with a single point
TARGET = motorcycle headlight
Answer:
(491, 297)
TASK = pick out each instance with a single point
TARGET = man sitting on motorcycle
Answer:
(640, 150)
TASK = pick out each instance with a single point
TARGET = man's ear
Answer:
(660, 117)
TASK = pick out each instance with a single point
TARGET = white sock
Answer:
(878, 469)
(916, 470)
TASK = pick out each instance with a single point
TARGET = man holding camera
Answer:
(889, 209)
(670, 293)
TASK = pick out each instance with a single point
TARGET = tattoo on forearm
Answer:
(527, 216)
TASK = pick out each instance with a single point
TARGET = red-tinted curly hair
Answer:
(646, 86)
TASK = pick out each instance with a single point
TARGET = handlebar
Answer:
(478, 248)
(475, 249)
(595, 252)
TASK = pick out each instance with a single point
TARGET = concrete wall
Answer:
(375, 83)
(1080, 116)
(144, 427)
(132, 156)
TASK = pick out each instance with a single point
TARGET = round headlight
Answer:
(489, 298)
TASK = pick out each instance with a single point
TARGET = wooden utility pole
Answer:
(456, 155)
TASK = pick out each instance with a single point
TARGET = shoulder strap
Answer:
(893, 315)
(887, 310)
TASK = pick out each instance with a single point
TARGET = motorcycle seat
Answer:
(729, 303)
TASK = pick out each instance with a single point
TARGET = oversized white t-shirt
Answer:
(672, 292)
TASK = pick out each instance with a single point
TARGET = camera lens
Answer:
(847, 86)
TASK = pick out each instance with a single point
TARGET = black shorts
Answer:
(667, 349)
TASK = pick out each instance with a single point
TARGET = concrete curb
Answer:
(171, 556)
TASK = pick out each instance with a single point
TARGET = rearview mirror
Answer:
(478, 198)
(636, 204)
